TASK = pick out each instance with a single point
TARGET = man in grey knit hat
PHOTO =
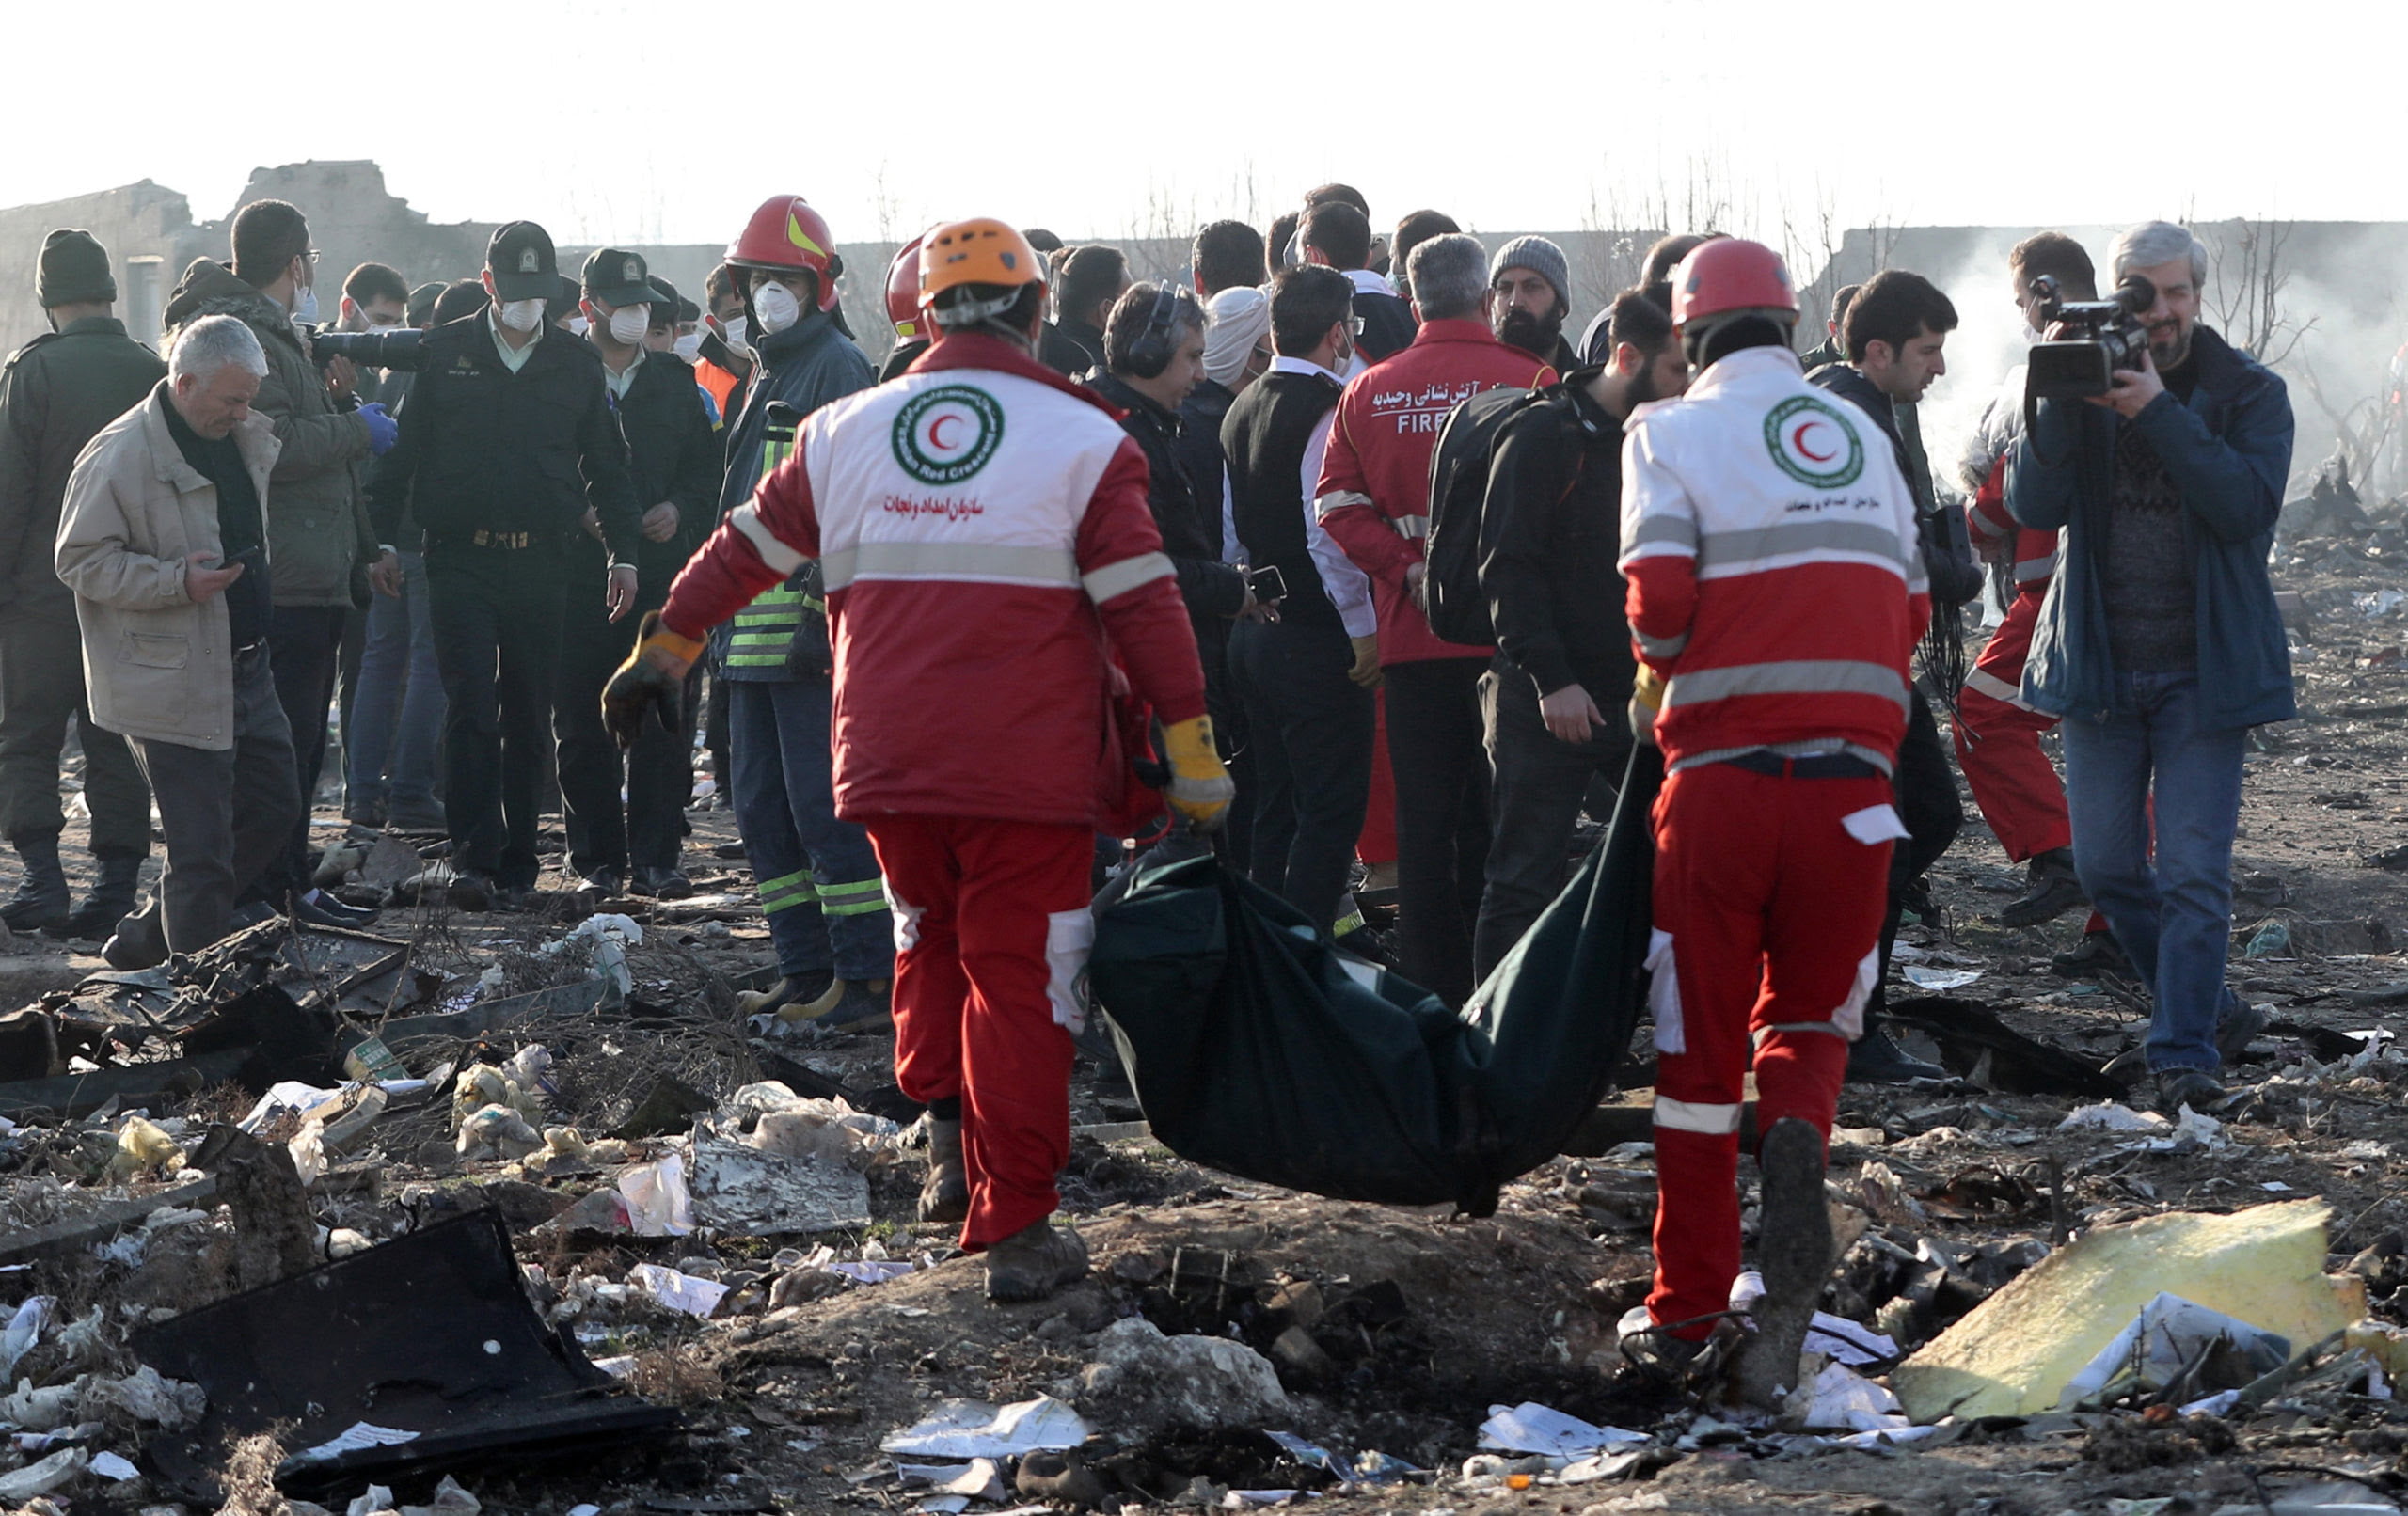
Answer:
(1530, 280)
(55, 393)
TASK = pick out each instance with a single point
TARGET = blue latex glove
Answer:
(383, 431)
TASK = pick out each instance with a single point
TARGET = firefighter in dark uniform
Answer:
(56, 391)
(507, 441)
(674, 457)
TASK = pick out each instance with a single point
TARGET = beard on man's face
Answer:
(1533, 333)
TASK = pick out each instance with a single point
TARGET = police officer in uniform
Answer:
(674, 457)
(507, 441)
(57, 392)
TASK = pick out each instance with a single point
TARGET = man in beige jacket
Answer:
(163, 540)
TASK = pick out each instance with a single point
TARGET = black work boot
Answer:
(40, 900)
(2054, 890)
(1874, 1059)
(111, 897)
(1794, 1248)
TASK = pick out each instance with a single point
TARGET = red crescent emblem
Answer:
(1798, 440)
(935, 431)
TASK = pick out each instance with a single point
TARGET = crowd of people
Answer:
(1334, 548)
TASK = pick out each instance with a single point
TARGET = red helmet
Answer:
(787, 235)
(1730, 275)
(903, 291)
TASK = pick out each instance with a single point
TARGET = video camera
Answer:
(403, 350)
(2108, 336)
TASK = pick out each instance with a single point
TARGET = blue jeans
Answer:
(817, 880)
(2175, 919)
(398, 714)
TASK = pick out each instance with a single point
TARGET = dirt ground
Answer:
(1436, 1318)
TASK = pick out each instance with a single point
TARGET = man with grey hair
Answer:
(2159, 642)
(1374, 500)
(163, 540)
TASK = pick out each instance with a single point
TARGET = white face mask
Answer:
(736, 329)
(380, 328)
(522, 315)
(305, 308)
(777, 308)
(628, 324)
(688, 347)
(579, 327)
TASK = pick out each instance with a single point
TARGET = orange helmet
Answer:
(787, 235)
(1728, 275)
(981, 250)
(903, 291)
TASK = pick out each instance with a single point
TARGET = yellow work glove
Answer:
(1365, 670)
(1646, 699)
(1200, 789)
(653, 678)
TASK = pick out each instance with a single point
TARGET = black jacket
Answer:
(56, 394)
(1550, 535)
(1388, 326)
(1071, 348)
(482, 449)
(1199, 450)
(1210, 587)
(1947, 551)
(673, 455)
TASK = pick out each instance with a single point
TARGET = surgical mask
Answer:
(688, 347)
(735, 329)
(628, 324)
(305, 311)
(522, 315)
(380, 328)
(579, 327)
(777, 308)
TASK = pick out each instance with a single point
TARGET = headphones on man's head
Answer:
(1150, 355)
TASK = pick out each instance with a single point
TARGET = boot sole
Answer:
(1796, 1252)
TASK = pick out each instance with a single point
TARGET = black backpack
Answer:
(1451, 598)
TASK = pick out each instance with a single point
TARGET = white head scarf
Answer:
(1235, 321)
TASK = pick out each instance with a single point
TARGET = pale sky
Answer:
(1125, 119)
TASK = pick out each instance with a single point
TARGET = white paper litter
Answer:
(2109, 1117)
(978, 1428)
(658, 1202)
(23, 1330)
(1835, 1337)
(357, 1435)
(1532, 1428)
(1939, 979)
(2160, 1340)
(111, 1466)
(678, 1291)
(1845, 1400)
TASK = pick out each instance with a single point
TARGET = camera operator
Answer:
(318, 530)
(377, 299)
(1894, 332)
(2159, 642)
(507, 439)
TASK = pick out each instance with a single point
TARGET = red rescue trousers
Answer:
(1998, 741)
(1767, 942)
(991, 933)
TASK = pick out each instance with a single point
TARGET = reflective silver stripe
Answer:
(1119, 578)
(1725, 552)
(1412, 529)
(1808, 676)
(1664, 529)
(990, 563)
(746, 518)
(1337, 501)
(1995, 687)
(2030, 569)
(1661, 647)
(1696, 1115)
(1762, 1032)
